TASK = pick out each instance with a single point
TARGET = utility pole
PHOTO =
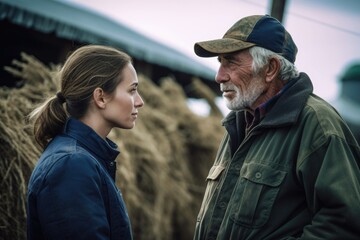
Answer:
(277, 9)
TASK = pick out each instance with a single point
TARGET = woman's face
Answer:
(122, 107)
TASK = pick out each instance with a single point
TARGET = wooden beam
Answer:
(277, 9)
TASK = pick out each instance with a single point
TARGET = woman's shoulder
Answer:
(64, 152)
(54, 166)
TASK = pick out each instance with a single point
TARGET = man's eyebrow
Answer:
(227, 57)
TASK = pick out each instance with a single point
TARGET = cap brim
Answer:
(213, 48)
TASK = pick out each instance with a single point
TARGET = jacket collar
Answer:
(105, 150)
(290, 104)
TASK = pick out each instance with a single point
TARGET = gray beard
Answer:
(246, 100)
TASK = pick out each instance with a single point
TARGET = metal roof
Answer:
(76, 23)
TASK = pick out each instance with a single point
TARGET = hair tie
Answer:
(60, 97)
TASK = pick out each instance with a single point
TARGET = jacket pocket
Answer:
(212, 180)
(255, 194)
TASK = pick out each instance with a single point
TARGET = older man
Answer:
(288, 166)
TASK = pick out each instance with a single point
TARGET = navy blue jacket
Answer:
(72, 192)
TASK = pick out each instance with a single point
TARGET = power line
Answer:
(357, 34)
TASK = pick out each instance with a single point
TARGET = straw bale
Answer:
(163, 162)
(18, 156)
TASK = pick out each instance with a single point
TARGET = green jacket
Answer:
(294, 176)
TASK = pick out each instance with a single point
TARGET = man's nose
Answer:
(221, 75)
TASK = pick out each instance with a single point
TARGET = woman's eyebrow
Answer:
(134, 85)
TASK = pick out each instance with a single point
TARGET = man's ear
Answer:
(272, 69)
(99, 98)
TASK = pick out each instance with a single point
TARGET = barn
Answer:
(163, 161)
(49, 30)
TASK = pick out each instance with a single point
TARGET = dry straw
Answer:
(163, 163)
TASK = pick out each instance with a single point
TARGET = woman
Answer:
(72, 192)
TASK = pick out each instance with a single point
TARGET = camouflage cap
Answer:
(258, 30)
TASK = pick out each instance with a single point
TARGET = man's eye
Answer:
(227, 62)
(232, 62)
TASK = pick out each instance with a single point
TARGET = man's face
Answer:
(241, 88)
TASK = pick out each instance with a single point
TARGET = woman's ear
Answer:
(273, 69)
(99, 98)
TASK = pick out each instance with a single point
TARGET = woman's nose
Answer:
(139, 101)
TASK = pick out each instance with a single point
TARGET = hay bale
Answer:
(161, 168)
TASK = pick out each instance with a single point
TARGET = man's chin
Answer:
(233, 106)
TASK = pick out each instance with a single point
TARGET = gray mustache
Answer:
(226, 88)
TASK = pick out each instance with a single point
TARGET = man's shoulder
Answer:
(323, 117)
(320, 108)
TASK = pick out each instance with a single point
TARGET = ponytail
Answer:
(49, 119)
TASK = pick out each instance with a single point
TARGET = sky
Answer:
(327, 32)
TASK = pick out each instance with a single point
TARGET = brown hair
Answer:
(85, 69)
